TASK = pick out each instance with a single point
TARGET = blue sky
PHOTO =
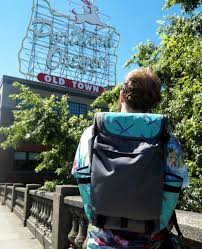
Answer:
(135, 20)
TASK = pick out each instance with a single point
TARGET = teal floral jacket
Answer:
(109, 239)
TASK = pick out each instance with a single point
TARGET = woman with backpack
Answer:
(140, 93)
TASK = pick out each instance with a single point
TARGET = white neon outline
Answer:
(54, 13)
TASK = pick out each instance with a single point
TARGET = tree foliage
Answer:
(108, 98)
(187, 5)
(178, 62)
(46, 121)
(191, 198)
(177, 59)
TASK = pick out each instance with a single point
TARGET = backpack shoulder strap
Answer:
(165, 136)
(97, 125)
(98, 122)
(176, 225)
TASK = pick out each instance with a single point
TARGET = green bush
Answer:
(50, 185)
(191, 197)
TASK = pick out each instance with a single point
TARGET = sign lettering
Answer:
(79, 46)
(67, 83)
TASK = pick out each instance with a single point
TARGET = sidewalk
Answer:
(12, 233)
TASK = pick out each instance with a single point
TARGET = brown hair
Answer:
(142, 89)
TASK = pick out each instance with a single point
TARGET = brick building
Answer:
(18, 165)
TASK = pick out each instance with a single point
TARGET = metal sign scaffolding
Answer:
(78, 44)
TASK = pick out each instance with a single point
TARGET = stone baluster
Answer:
(46, 214)
(61, 216)
(78, 233)
(1, 191)
(32, 210)
(28, 201)
(82, 233)
(74, 231)
(50, 219)
(49, 222)
(14, 194)
(85, 242)
(5, 193)
(9, 196)
(35, 209)
(44, 217)
(38, 211)
(41, 210)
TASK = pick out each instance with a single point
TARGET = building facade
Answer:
(69, 49)
(18, 165)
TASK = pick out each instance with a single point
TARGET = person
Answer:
(140, 93)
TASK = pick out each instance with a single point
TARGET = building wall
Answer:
(8, 173)
(6, 156)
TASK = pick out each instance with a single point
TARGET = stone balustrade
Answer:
(78, 233)
(58, 221)
(8, 199)
(1, 192)
(40, 217)
(18, 201)
(4, 189)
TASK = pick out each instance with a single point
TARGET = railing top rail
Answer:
(8, 184)
(42, 194)
(10, 187)
(20, 189)
(75, 201)
(190, 218)
(191, 224)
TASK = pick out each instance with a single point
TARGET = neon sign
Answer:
(78, 46)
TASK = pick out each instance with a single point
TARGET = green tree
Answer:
(177, 59)
(108, 98)
(178, 62)
(187, 5)
(46, 121)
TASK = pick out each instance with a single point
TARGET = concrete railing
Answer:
(57, 219)
(8, 199)
(18, 197)
(191, 226)
(1, 192)
(40, 216)
(78, 233)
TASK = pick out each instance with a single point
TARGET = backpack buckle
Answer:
(100, 221)
(149, 226)
(124, 222)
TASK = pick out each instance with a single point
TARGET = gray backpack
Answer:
(128, 158)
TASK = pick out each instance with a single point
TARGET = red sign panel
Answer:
(54, 80)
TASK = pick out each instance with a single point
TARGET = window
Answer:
(20, 160)
(19, 101)
(103, 109)
(77, 108)
(25, 160)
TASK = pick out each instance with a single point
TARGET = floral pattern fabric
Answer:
(111, 239)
